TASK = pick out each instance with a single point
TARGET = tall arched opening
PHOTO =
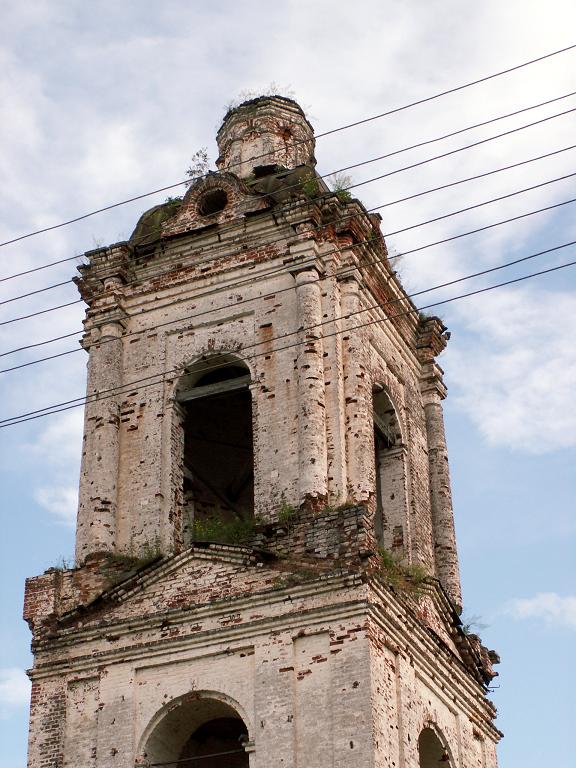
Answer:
(391, 525)
(431, 752)
(196, 730)
(218, 451)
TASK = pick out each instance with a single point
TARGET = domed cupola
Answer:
(265, 132)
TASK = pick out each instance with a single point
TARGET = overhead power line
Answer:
(449, 91)
(460, 149)
(33, 293)
(264, 275)
(395, 110)
(40, 312)
(232, 226)
(479, 205)
(387, 234)
(74, 333)
(145, 382)
(473, 178)
(378, 207)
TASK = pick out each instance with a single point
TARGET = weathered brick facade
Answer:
(266, 569)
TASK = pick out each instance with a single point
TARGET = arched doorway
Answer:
(196, 730)
(431, 751)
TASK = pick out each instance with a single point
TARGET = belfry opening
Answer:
(390, 470)
(218, 454)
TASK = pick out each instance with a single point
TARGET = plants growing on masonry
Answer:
(309, 186)
(272, 89)
(223, 531)
(286, 513)
(339, 184)
(410, 578)
(199, 165)
(472, 625)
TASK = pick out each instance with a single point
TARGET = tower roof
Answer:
(251, 105)
(265, 131)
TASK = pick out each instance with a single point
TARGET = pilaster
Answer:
(358, 396)
(98, 496)
(432, 341)
(312, 457)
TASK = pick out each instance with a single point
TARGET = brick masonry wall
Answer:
(326, 451)
(322, 670)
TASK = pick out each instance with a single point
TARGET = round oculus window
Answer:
(213, 201)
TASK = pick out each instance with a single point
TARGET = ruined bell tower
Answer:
(266, 569)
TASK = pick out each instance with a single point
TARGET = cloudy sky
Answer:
(103, 101)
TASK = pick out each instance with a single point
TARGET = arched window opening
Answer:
(431, 752)
(218, 460)
(198, 731)
(391, 479)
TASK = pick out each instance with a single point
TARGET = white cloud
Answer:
(60, 441)
(59, 448)
(545, 606)
(515, 371)
(14, 690)
(60, 501)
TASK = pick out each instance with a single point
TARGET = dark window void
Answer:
(219, 743)
(218, 462)
(391, 481)
(265, 170)
(431, 752)
(212, 202)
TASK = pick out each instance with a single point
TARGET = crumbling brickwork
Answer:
(265, 537)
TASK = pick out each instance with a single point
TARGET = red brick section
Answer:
(47, 718)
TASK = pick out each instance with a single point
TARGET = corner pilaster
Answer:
(98, 496)
(432, 340)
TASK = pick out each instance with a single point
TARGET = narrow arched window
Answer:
(391, 477)
(218, 455)
(431, 751)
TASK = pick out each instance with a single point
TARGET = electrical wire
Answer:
(233, 226)
(357, 165)
(479, 205)
(369, 210)
(126, 389)
(40, 312)
(250, 281)
(196, 757)
(379, 207)
(472, 178)
(445, 93)
(460, 149)
(427, 306)
(319, 136)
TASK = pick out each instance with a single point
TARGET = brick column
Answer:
(96, 529)
(312, 456)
